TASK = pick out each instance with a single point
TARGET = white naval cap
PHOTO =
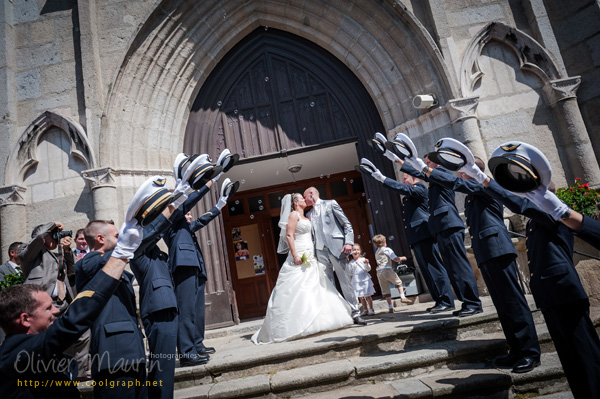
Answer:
(197, 169)
(520, 167)
(402, 146)
(149, 201)
(227, 160)
(451, 154)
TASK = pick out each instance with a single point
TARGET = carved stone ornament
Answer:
(97, 178)
(12, 195)
(562, 89)
(462, 108)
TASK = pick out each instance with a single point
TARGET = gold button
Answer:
(531, 275)
(528, 262)
(527, 250)
(471, 237)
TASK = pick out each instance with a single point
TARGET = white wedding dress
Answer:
(304, 301)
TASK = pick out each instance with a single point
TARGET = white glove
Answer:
(183, 188)
(223, 199)
(547, 201)
(376, 174)
(130, 238)
(216, 178)
(473, 170)
(416, 163)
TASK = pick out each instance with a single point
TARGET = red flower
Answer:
(586, 185)
(578, 178)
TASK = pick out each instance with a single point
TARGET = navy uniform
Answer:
(30, 359)
(189, 274)
(590, 231)
(557, 290)
(415, 216)
(448, 228)
(117, 343)
(158, 307)
(496, 257)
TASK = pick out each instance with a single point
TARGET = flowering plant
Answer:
(580, 198)
(12, 279)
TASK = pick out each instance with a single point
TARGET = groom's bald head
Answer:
(311, 195)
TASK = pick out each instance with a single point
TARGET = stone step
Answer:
(409, 328)
(397, 347)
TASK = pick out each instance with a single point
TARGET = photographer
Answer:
(42, 266)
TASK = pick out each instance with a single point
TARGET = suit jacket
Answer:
(41, 266)
(553, 278)
(443, 214)
(415, 213)
(5, 269)
(23, 356)
(117, 339)
(181, 239)
(150, 267)
(485, 221)
(331, 227)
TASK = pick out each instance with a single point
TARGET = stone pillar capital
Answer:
(562, 89)
(12, 195)
(462, 108)
(98, 178)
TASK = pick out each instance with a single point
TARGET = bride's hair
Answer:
(295, 199)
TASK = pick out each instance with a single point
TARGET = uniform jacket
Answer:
(415, 213)
(151, 269)
(181, 240)
(40, 266)
(553, 278)
(443, 214)
(590, 231)
(489, 237)
(25, 357)
(117, 338)
(331, 227)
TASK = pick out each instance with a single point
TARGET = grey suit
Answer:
(5, 269)
(332, 230)
(41, 266)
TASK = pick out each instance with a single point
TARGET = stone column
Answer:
(104, 192)
(573, 140)
(463, 116)
(13, 217)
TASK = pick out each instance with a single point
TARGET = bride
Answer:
(304, 301)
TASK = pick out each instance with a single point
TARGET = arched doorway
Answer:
(274, 96)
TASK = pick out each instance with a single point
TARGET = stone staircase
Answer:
(407, 354)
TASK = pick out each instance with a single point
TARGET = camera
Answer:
(58, 235)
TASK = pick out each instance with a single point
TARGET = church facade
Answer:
(96, 96)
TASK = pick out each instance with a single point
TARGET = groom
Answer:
(334, 238)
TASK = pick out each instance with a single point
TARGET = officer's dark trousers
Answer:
(452, 248)
(501, 277)
(128, 383)
(189, 290)
(435, 275)
(161, 331)
(577, 345)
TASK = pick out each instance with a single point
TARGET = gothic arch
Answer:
(533, 57)
(24, 157)
(174, 52)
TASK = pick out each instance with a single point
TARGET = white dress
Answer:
(304, 301)
(361, 280)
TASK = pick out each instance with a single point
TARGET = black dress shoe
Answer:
(359, 320)
(506, 360)
(467, 312)
(440, 309)
(525, 365)
(207, 351)
(193, 360)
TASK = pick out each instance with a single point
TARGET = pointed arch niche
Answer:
(571, 142)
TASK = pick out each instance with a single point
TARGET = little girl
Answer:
(358, 271)
(386, 275)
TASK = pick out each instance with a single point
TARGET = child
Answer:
(385, 273)
(358, 271)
